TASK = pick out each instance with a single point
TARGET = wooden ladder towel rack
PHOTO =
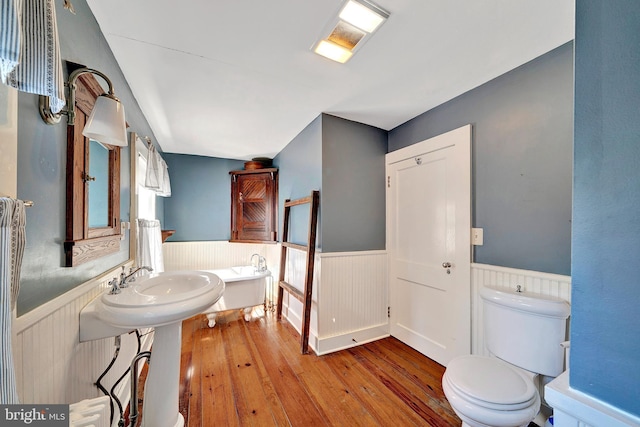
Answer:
(305, 295)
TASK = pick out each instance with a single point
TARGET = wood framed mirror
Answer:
(93, 185)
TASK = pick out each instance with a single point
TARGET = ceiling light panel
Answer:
(365, 15)
(349, 29)
(333, 51)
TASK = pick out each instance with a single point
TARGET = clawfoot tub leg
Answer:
(212, 319)
(247, 313)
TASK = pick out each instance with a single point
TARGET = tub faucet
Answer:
(262, 263)
(129, 277)
(252, 256)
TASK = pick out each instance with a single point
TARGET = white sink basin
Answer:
(155, 300)
(163, 288)
(160, 299)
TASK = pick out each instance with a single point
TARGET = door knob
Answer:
(447, 265)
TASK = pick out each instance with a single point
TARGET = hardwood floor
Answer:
(251, 373)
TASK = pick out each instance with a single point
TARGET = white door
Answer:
(428, 241)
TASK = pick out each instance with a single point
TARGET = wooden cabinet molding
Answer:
(254, 205)
(84, 243)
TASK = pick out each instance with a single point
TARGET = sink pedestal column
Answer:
(160, 407)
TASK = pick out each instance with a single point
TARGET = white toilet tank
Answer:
(525, 329)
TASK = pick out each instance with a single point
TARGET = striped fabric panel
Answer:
(40, 68)
(9, 36)
(18, 241)
(8, 389)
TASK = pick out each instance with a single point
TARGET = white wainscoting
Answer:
(52, 366)
(349, 299)
(210, 255)
(509, 278)
(353, 297)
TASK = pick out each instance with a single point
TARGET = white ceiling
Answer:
(237, 78)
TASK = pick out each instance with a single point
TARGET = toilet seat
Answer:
(490, 383)
(489, 392)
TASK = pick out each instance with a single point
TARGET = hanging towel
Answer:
(9, 36)
(18, 241)
(157, 176)
(165, 184)
(31, 25)
(152, 181)
(12, 240)
(149, 248)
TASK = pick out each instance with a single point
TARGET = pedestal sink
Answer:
(162, 301)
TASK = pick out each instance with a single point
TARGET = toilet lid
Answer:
(491, 381)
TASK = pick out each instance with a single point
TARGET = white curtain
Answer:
(12, 241)
(150, 244)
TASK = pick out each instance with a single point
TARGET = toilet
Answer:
(523, 332)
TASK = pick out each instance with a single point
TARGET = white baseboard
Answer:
(335, 343)
(352, 339)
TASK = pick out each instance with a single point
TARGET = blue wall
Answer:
(42, 168)
(200, 204)
(605, 337)
(522, 160)
(341, 158)
(300, 172)
(353, 185)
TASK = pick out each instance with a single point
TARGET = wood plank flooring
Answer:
(252, 373)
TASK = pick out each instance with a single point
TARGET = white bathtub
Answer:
(244, 288)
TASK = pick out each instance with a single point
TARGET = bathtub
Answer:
(244, 288)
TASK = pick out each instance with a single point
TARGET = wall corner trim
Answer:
(572, 407)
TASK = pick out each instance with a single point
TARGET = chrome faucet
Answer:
(114, 287)
(129, 277)
(262, 263)
(252, 256)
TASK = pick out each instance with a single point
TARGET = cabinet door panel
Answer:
(254, 201)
